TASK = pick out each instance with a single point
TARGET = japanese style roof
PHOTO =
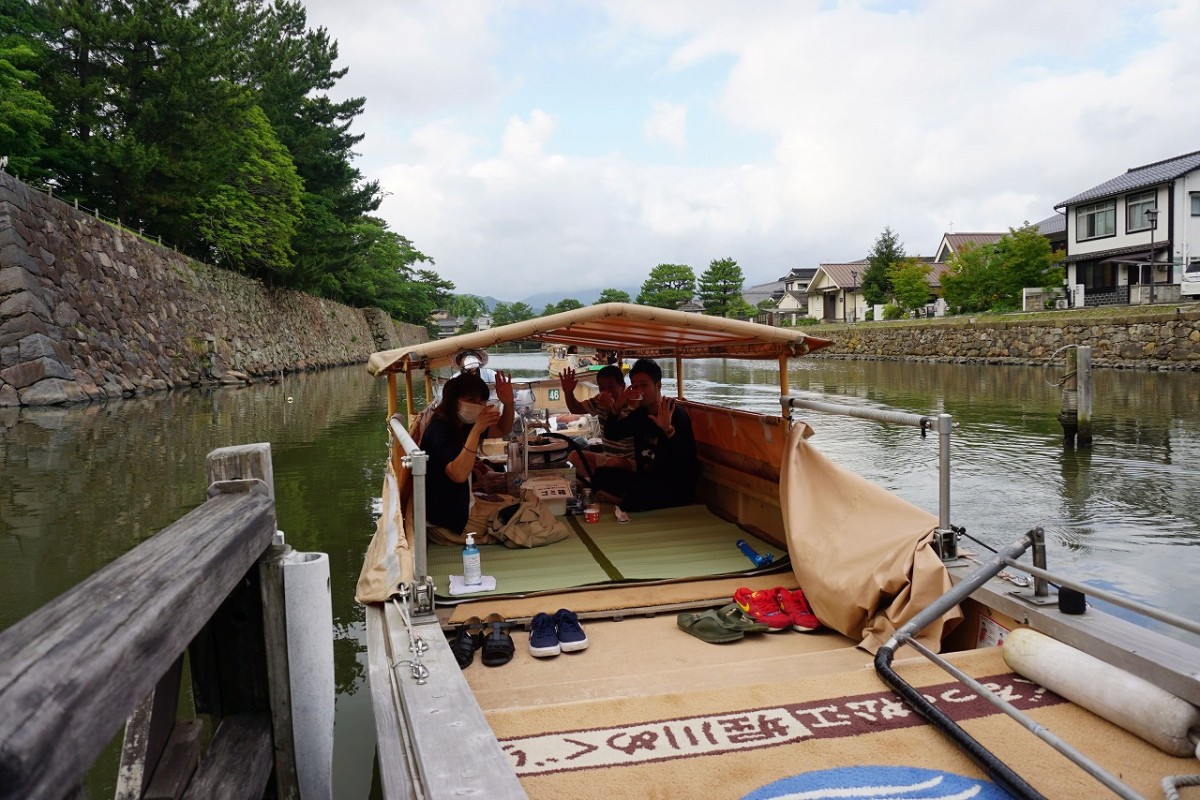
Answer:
(842, 275)
(957, 241)
(633, 330)
(1056, 223)
(1139, 178)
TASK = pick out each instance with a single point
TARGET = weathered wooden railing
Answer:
(209, 587)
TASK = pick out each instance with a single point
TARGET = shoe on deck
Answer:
(763, 606)
(571, 637)
(543, 636)
(795, 606)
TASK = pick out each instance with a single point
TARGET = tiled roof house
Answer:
(1134, 230)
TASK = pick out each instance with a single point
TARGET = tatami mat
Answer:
(668, 544)
(675, 543)
(559, 565)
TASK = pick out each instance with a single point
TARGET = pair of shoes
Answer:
(468, 638)
(498, 647)
(726, 624)
(778, 608)
(795, 605)
(551, 635)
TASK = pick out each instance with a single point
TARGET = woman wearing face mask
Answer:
(461, 421)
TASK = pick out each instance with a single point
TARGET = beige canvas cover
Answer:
(388, 561)
(861, 554)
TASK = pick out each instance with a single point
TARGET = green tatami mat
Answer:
(680, 542)
(555, 566)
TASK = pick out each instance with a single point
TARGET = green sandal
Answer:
(707, 627)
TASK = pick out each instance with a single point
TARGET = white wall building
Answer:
(1115, 249)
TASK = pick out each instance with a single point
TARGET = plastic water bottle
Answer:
(472, 571)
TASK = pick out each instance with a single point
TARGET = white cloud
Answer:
(979, 114)
(667, 123)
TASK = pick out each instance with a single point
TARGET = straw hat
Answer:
(467, 360)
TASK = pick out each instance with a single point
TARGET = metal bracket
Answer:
(1030, 597)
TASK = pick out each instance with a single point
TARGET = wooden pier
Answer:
(207, 590)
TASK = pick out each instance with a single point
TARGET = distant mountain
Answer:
(539, 301)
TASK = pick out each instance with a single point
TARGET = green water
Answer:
(80, 486)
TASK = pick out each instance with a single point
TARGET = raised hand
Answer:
(567, 376)
(504, 388)
(666, 409)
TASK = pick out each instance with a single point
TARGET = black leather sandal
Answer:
(498, 647)
(468, 637)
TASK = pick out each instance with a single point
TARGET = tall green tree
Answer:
(887, 252)
(991, 276)
(668, 286)
(910, 283)
(467, 305)
(250, 210)
(24, 111)
(721, 286)
(613, 296)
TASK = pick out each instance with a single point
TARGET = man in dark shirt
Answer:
(664, 447)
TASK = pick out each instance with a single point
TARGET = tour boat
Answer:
(935, 666)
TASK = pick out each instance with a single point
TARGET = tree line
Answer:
(209, 124)
(718, 290)
(978, 277)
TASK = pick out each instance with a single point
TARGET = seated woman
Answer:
(461, 421)
(666, 465)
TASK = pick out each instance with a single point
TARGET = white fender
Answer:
(1133, 703)
(310, 666)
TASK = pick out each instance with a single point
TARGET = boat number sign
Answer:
(711, 734)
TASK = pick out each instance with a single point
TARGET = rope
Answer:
(416, 644)
(1171, 784)
(1050, 362)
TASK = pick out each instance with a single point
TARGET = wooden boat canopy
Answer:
(633, 330)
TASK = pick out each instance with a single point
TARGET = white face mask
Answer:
(469, 412)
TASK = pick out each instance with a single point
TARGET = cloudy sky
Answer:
(534, 145)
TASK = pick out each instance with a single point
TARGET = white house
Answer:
(833, 294)
(1133, 231)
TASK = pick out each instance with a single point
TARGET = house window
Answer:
(1196, 204)
(1136, 206)
(1096, 221)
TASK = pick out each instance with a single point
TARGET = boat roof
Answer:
(633, 330)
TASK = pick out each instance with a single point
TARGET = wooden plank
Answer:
(238, 762)
(147, 732)
(392, 750)
(71, 672)
(241, 462)
(453, 749)
(279, 681)
(178, 762)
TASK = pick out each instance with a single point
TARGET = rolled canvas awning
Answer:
(636, 331)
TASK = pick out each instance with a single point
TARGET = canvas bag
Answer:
(530, 524)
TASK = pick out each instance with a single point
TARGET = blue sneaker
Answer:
(543, 636)
(570, 633)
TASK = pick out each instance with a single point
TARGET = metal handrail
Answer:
(417, 461)
(906, 634)
(946, 542)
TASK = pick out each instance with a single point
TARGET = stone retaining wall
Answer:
(1159, 340)
(89, 311)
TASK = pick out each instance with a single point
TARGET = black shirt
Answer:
(667, 467)
(447, 502)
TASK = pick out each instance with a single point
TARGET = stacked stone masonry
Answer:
(89, 311)
(1166, 339)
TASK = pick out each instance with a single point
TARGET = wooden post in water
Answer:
(1067, 414)
(1083, 379)
(1076, 413)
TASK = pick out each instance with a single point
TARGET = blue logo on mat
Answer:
(879, 783)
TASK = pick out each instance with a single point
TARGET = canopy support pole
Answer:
(397, 450)
(679, 376)
(408, 393)
(783, 375)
